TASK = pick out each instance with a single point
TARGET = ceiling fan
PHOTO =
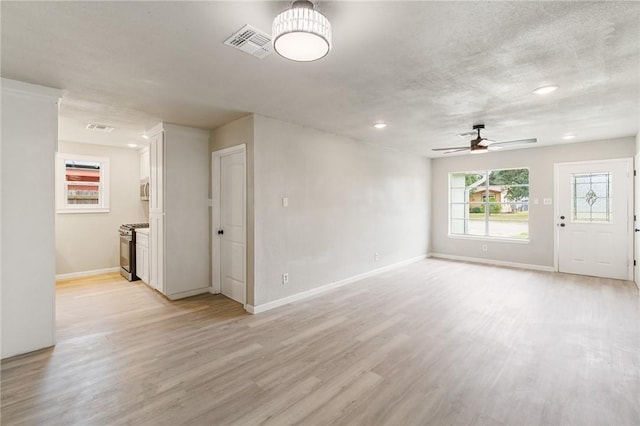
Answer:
(480, 145)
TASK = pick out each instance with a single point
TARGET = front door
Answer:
(229, 223)
(594, 217)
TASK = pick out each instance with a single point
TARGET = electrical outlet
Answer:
(285, 202)
(484, 247)
(285, 278)
(376, 257)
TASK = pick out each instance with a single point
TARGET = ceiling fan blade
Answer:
(450, 149)
(534, 140)
(465, 134)
(457, 150)
(486, 142)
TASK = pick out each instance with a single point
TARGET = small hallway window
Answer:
(82, 184)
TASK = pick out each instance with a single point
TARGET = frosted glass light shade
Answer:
(301, 33)
(479, 150)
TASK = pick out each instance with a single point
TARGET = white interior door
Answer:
(229, 220)
(595, 215)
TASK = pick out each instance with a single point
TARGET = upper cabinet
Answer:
(145, 164)
(156, 171)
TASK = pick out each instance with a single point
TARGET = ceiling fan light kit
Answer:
(479, 149)
(301, 33)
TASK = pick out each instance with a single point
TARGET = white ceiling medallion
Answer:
(301, 33)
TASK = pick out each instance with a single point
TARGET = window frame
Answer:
(62, 205)
(486, 204)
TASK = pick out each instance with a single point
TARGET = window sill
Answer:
(73, 211)
(492, 239)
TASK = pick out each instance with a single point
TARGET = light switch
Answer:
(285, 202)
(547, 201)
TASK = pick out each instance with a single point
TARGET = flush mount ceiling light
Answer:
(545, 90)
(132, 145)
(145, 135)
(301, 33)
(380, 125)
(567, 137)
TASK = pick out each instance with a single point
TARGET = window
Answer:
(490, 203)
(82, 184)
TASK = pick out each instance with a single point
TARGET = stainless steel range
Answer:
(128, 249)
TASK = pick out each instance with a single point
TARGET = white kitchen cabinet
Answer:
(156, 171)
(145, 164)
(179, 210)
(156, 251)
(142, 254)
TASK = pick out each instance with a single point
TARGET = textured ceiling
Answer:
(428, 69)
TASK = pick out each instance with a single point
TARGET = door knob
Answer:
(562, 217)
(220, 231)
(637, 230)
(562, 224)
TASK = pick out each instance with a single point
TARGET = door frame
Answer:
(636, 211)
(216, 156)
(630, 207)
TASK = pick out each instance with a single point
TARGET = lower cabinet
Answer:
(142, 256)
(156, 248)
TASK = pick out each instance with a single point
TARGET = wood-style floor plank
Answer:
(435, 342)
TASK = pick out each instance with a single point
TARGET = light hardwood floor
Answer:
(435, 342)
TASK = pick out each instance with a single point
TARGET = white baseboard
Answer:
(315, 291)
(493, 262)
(183, 294)
(86, 273)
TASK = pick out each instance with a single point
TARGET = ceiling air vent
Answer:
(252, 41)
(100, 127)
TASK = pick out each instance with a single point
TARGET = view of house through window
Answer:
(82, 183)
(490, 203)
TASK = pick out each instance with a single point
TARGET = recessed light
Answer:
(379, 125)
(145, 136)
(132, 145)
(545, 90)
(567, 137)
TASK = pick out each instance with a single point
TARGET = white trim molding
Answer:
(82, 274)
(493, 262)
(318, 290)
(183, 294)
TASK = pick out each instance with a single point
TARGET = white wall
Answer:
(29, 136)
(540, 161)
(347, 201)
(88, 242)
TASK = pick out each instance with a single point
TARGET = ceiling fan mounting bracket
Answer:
(478, 126)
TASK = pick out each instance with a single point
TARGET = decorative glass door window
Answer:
(591, 197)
